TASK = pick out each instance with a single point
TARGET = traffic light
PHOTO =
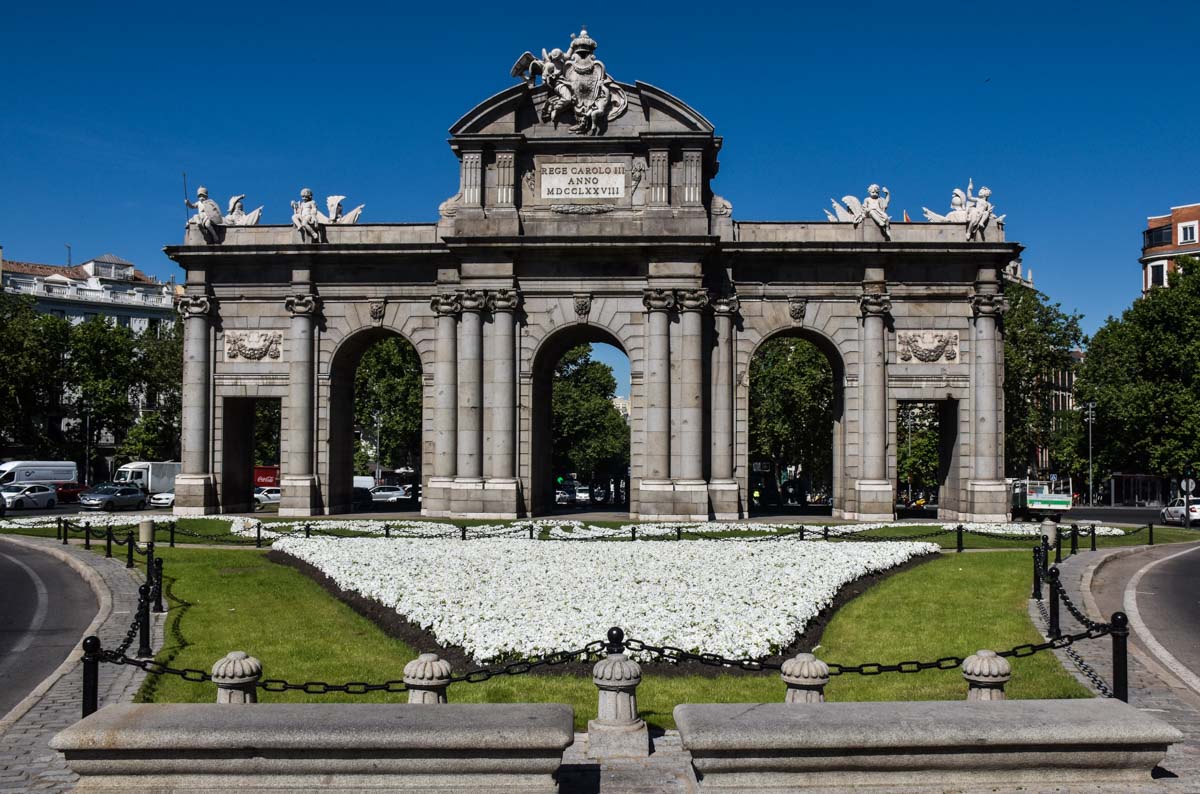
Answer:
(560, 480)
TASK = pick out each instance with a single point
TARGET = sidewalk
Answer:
(26, 761)
(1152, 688)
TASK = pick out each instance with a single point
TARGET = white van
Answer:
(15, 472)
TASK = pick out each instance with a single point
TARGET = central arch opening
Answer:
(375, 424)
(580, 428)
(795, 422)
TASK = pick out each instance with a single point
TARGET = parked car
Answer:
(266, 496)
(113, 497)
(1173, 512)
(22, 496)
(68, 492)
(562, 497)
(164, 499)
(361, 500)
(583, 495)
(391, 494)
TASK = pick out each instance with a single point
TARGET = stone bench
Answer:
(164, 748)
(922, 746)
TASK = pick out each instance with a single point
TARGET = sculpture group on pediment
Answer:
(874, 206)
(309, 220)
(208, 218)
(578, 86)
(237, 215)
(976, 211)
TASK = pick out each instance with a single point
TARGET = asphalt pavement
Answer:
(44, 608)
(1168, 600)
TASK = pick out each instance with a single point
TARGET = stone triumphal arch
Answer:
(584, 213)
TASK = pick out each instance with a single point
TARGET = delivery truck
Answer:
(151, 477)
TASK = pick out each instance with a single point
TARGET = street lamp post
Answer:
(1091, 419)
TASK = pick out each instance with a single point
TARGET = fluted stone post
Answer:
(658, 303)
(501, 391)
(617, 731)
(299, 488)
(988, 494)
(806, 677)
(722, 487)
(427, 678)
(986, 674)
(445, 386)
(692, 304)
(470, 386)
(236, 677)
(193, 492)
(874, 487)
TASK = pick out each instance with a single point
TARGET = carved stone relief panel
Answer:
(252, 345)
(927, 347)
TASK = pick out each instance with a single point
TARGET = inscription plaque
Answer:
(582, 180)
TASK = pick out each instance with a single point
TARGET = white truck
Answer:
(150, 477)
(15, 472)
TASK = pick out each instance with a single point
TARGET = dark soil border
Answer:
(397, 626)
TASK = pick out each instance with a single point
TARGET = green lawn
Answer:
(225, 600)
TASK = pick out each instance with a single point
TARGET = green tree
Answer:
(1143, 372)
(104, 379)
(591, 438)
(1038, 340)
(917, 445)
(387, 403)
(156, 436)
(791, 407)
(267, 423)
(31, 391)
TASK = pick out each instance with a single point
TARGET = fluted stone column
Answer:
(299, 491)
(690, 461)
(445, 386)
(874, 487)
(470, 386)
(722, 488)
(194, 492)
(658, 303)
(501, 391)
(987, 491)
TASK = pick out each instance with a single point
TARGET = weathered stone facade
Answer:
(557, 238)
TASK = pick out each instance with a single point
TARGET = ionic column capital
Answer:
(446, 303)
(474, 300)
(302, 305)
(875, 304)
(694, 300)
(727, 305)
(989, 305)
(505, 300)
(194, 306)
(659, 300)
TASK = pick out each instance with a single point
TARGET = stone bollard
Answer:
(427, 678)
(617, 731)
(986, 675)
(1050, 530)
(146, 531)
(236, 677)
(806, 677)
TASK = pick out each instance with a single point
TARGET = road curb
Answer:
(104, 611)
(1153, 646)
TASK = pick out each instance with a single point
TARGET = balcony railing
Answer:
(88, 295)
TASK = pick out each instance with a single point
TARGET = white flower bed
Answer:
(94, 520)
(578, 530)
(499, 598)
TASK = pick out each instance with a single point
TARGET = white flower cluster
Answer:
(93, 520)
(502, 598)
(578, 530)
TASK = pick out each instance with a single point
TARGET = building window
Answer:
(1152, 238)
(1187, 232)
(1158, 274)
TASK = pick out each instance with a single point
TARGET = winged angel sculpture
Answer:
(874, 206)
(578, 84)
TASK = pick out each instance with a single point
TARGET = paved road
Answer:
(44, 608)
(1168, 599)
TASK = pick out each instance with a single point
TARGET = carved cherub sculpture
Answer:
(874, 206)
(237, 215)
(981, 211)
(208, 218)
(306, 217)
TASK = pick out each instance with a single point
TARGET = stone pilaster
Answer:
(687, 475)
(874, 488)
(722, 487)
(436, 499)
(506, 180)
(195, 490)
(300, 493)
(986, 492)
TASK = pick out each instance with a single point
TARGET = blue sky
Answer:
(1076, 116)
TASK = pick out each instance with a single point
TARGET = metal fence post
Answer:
(258, 535)
(824, 533)
(801, 532)
(678, 533)
(87, 536)
(1037, 573)
(1151, 529)
(172, 536)
(66, 528)
(387, 530)
(307, 530)
(1057, 547)
(129, 541)
(58, 528)
(158, 585)
(91, 674)
(1093, 534)
(144, 651)
(958, 532)
(633, 533)
(1052, 575)
(1074, 539)
(150, 563)
(1120, 649)
(463, 533)
(108, 539)
(531, 532)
